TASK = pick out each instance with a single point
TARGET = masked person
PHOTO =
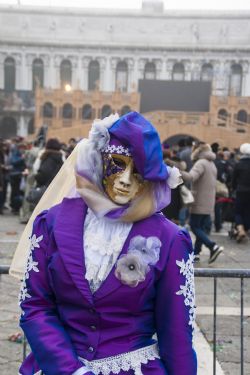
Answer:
(106, 271)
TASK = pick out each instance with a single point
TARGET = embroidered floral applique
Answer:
(132, 267)
(30, 266)
(187, 290)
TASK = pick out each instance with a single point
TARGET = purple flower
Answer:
(130, 269)
(149, 248)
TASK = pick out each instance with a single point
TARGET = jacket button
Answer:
(91, 349)
(93, 328)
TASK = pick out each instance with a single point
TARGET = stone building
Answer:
(111, 50)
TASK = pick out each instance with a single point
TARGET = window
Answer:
(235, 80)
(222, 114)
(125, 110)
(65, 73)
(86, 112)
(178, 72)
(242, 116)
(67, 112)
(122, 76)
(94, 75)
(207, 72)
(106, 111)
(9, 74)
(48, 110)
(150, 71)
(37, 74)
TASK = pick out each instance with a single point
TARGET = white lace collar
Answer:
(103, 241)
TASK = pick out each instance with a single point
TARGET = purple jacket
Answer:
(63, 320)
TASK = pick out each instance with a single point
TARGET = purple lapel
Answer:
(69, 238)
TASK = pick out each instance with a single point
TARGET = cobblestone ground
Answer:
(228, 321)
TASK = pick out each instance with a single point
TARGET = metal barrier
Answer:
(201, 272)
(226, 273)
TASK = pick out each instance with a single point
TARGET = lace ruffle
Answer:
(126, 361)
(103, 241)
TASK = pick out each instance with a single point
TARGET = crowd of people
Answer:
(218, 180)
(24, 165)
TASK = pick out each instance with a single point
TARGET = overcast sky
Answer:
(136, 4)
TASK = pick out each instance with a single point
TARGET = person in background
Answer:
(71, 145)
(203, 177)
(172, 211)
(17, 166)
(241, 185)
(30, 157)
(185, 156)
(51, 161)
(223, 176)
(2, 162)
(185, 153)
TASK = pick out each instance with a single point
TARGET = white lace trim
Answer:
(126, 361)
(187, 290)
(103, 242)
(30, 266)
(113, 149)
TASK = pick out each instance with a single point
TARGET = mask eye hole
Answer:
(119, 162)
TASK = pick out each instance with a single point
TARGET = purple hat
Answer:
(133, 135)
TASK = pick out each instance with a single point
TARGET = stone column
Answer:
(46, 71)
(221, 78)
(245, 90)
(141, 68)
(113, 64)
(2, 58)
(169, 69)
(108, 76)
(29, 58)
(103, 64)
(135, 83)
(19, 70)
(75, 63)
(131, 74)
(196, 70)
(158, 65)
(188, 70)
(55, 72)
(85, 72)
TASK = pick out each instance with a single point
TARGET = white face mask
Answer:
(121, 181)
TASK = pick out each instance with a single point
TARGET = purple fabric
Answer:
(139, 135)
(59, 317)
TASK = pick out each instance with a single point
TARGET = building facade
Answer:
(110, 50)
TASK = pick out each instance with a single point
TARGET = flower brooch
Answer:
(131, 268)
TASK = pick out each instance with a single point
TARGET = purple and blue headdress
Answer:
(134, 136)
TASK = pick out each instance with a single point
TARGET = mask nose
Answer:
(126, 177)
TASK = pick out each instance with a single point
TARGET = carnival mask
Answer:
(121, 181)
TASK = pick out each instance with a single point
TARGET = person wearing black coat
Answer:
(241, 184)
(51, 162)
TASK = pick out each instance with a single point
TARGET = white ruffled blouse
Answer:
(103, 241)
